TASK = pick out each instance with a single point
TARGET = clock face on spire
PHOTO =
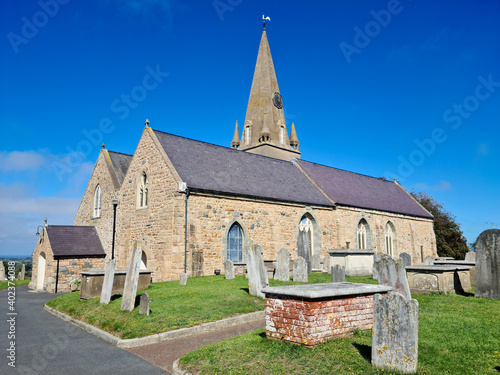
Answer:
(277, 100)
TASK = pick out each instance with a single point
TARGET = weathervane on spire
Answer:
(264, 18)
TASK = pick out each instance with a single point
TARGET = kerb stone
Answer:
(257, 272)
(395, 333)
(300, 270)
(228, 269)
(132, 279)
(406, 259)
(488, 264)
(282, 266)
(338, 273)
(107, 284)
(144, 304)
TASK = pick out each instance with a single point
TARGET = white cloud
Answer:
(442, 185)
(20, 160)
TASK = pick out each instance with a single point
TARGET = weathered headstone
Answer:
(395, 333)
(300, 270)
(376, 258)
(470, 256)
(107, 284)
(304, 249)
(183, 279)
(392, 273)
(488, 264)
(229, 269)
(428, 261)
(316, 261)
(144, 303)
(2, 271)
(282, 266)
(406, 259)
(132, 278)
(257, 272)
(326, 264)
(338, 273)
(22, 273)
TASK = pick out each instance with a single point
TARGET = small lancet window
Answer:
(282, 135)
(361, 234)
(97, 201)
(389, 239)
(235, 243)
(142, 196)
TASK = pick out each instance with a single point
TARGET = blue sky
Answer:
(406, 89)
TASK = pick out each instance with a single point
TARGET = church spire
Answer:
(265, 118)
(236, 137)
(294, 141)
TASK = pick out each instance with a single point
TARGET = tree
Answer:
(450, 240)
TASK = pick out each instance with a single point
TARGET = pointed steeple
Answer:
(294, 141)
(236, 137)
(267, 134)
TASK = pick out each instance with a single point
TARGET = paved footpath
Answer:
(46, 344)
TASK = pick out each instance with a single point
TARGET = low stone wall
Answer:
(312, 314)
(92, 282)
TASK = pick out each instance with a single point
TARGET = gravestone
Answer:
(316, 261)
(304, 249)
(395, 333)
(2, 271)
(488, 264)
(406, 259)
(376, 258)
(144, 303)
(428, 261)
(326, 264)
(338, 273)
(391, 272)
(470, 256)
(257, 272)
(22, 273)
(228, 269)
(107, 284)
(300, 270)
(183, 279)
(132, 278)
(282, 266)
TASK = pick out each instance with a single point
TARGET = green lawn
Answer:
(5, 284)
(457, 335)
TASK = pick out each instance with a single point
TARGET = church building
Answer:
(190, 204)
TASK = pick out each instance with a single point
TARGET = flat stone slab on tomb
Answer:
(472, 266)
(446, 279)
(313, 291)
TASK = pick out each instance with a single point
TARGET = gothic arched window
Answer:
(389, 239)
(97, 202)
(361, 234)
(235, 243)
(142, 192)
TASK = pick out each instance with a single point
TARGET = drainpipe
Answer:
(185, 230)
(57, 274)
(115, 204)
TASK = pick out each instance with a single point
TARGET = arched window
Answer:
(235, 243)
(361, 234)
(389, 239)
(142, 193)
(282, 135)
(97, 201)
(247, 134)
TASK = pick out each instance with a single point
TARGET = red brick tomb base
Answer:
(310, 314)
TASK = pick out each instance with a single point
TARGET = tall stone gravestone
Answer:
(304, 248)
(326, 264)
(145, 302)
(132, 278)
(109, 277)
(395, 333)
(338, 274)
(22, 273)
(316, 261)
(406, 259)
(392, 273)
(228, 269)
(488, 264)
(2, 271)
(282, 266)
(183, 279)
(257, 272)
(300, 270)
(470, 256)
(376, 258)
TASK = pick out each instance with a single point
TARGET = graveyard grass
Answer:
(457, 335)
(5, 284)
(203, 299)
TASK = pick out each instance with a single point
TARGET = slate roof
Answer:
(357, 190)
(120, 164)
(74, 241)
(209, 167)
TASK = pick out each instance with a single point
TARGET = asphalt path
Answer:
(46, 344)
